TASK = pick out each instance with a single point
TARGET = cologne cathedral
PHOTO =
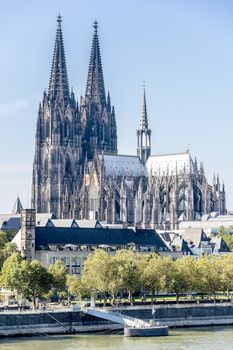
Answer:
(78, 173)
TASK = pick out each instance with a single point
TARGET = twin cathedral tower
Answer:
(77, 172)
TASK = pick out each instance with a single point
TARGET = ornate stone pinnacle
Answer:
(59, 19)
(95, 25)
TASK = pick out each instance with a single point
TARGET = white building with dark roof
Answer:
(72, 244)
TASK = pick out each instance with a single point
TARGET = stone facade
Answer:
(27, 234)
(77, 172)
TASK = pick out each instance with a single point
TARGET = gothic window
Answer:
(41, 130)
(66, 128)
(182, 205)
(182, 191)
(47, 128)
(53, 158)
(68, 165)
(103, 131)
(183, 195)
(117, 206)
(46, 167)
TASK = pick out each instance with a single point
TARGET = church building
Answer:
(78, 173)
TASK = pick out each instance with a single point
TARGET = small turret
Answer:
(17, 209)
(195, 165)
(108, 102)
(214, 180)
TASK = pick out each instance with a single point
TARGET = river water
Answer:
(210, 338)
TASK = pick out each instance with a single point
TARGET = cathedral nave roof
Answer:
(161, 164)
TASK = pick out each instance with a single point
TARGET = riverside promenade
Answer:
(68, 321)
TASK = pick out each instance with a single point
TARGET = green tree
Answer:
(155, 273)
(148, 276)
(221, 230)
(7, 251)
(226, 236)
(114, 285)
(184, 276)
(210, 271)
(11, 271)
(97, 275)
(29, 279)
(35, 280)
(227, 273)
(3, 239)
(11, 234)
(128, 274)
(74, 286)
(58, 272)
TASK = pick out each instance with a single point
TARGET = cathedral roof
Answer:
(163, 164)
(123, 165)
(170, 163)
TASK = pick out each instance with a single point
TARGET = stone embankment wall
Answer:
(43, 323)
(184, 315)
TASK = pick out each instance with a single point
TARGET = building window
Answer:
(76, 265)
(66, 260)
(53, 259)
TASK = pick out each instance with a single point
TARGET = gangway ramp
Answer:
(117, 317)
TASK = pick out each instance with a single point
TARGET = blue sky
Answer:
(182, 49)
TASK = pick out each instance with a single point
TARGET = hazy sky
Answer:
(182, 49)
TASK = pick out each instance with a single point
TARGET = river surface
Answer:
(217, 338)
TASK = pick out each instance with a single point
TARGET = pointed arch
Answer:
(66, 128)
(46, 167)
(68, 165)
(47, 128)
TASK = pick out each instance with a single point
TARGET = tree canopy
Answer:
(29, 279)
(125, 273)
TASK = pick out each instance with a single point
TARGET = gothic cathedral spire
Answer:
(58, 84)
(95, 91)
(143, 133)
(100, 129)
(58, 153)
(144, 118)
